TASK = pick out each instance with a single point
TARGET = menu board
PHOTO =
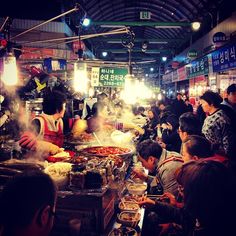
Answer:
(108, 77)
(224, 58)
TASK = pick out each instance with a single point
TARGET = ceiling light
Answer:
(164, 59)
(195, 25)
(86, 22)
(152, 69)
(104, 54)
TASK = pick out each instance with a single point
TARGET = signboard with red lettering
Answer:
(182, 73)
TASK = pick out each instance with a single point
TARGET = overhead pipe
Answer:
(141, 23)
(76, 8)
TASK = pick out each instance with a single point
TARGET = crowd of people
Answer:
(189, 154)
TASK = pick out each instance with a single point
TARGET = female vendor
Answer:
(47, 135)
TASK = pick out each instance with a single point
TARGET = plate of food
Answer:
(61, 156)
(104, 151)
(123, 231)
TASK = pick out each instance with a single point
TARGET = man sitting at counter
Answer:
(160, 161)
(47, 135)
(27, 205)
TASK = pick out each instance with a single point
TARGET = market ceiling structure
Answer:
(166, 33)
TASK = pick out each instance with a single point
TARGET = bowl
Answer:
(123, 231)
(129, 206)
(129, 218)
(137, 188)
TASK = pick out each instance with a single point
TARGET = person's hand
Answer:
(164, 126)
(169, 196)
(28, 140)
(139, 174)
(146, 202)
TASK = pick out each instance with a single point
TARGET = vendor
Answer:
(48, 126)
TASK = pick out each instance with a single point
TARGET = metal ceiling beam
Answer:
(142, 23)
(137, 50)
(140, 40)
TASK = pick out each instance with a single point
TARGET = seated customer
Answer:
(170, 139)
(27, 205)
(209, 191)
(189, 124)
(197, 147)
(160, 161)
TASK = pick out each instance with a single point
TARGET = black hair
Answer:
(212, 98)
(141, 109)
(231, 89)
(179, 94)
(23, 196)
(189, 123)
(53, 102)
(198, 146)
(209, 195)
(149, 148)
(155, 112)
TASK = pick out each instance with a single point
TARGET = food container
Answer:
(59, 172)
(129, 206)
(123, 231)
(129, 218)
(137, 188)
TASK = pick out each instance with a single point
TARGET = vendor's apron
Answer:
(55, 137)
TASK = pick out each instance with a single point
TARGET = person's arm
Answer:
(3, 119)
(165, 211)
(168, 212)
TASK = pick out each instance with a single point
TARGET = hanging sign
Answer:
(224, 58)
(198, 67)
(219, 37)
(192, 53)
(145, 15)
(174, 64)
(109, 77)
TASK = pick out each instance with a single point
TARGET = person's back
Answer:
(27, 205)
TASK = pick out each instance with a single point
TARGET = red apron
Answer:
(55, 137)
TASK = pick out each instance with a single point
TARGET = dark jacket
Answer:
(179, 107)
